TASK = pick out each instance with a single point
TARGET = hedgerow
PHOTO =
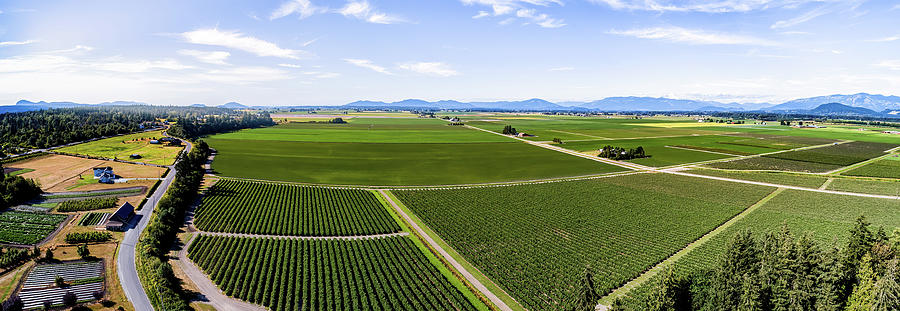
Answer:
(87, 205)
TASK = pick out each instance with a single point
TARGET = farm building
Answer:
(135, 156)
(105, 174)
(154, 142)
(524, 135)
(119, 219)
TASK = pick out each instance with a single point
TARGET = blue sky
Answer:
(317, 52)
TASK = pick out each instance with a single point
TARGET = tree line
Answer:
(163, 287)
(193, 128)
(15, 190)
(784, 271)
(619, 153)
(53, 127)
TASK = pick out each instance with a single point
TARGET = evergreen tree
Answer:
(587, 295)
(741, 259)
(863, 295)
(887, 290)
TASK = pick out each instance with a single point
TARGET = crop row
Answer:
(27, 228)
(279, 209)
(535, 240)
(287, 274)
(884, 168)
(87, 205)
(92, 219)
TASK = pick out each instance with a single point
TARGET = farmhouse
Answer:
(154, 142)
(105, 174)
(119, 219)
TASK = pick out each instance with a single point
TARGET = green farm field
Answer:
(123, 146)
(883, 187)
(826, 217)
(780, 178)
(395, 164)
(888, 167)
(620, 226)
(290, 210)
(368, 130)
(546, 128)
(816, 160)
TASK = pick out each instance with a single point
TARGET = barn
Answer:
(119, 220)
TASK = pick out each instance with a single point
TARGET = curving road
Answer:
(125, 261)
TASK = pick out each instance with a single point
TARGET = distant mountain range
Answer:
(861, 104)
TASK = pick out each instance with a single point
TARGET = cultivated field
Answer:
(27, 228)
(371, 274)
(122, 147)
(395, 164)
(816, 160)
(885, 168)
(780, 178)
(535, 240)
(866, 186)
(84, 279)
(279, 209)
(827, 217)
(571, 128)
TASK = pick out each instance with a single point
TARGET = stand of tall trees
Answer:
(162, 286)
(619, 153)
(193, 128)
(783, 271)
(15, 190)
(53, 127)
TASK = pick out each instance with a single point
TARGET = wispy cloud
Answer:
(290, 66)
(802, 18)
(886, 39)
(211, 57)
(9, 43)
(243, 75)
(132, 66)
(430, 68)
(239, 41)
(706, 6)
(893, 64)
(562, 69)
(692, 36)
(368, 64)
(304, 8)
(524, 9)
(362, 10)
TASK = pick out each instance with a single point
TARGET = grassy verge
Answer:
(494, 288)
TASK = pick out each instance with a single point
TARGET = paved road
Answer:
(125, 264)
(471, 278)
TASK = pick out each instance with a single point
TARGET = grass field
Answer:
(885, 168)
(368, 274)
(395, 164)
(278, 209)
(618, 225)
(122, 147)
(799, 180)
(368, 130)
(827, 217)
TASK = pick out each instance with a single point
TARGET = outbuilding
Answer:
(119, 219)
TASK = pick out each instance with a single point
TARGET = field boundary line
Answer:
(877, 196)
(756, 155)
(456, 265)
(298, 237)
(647, 275)
(580, 134)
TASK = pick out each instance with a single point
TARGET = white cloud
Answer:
(9, 43)
(523, 9)
(706, 6)
(362, 10)
(890, 64)
(238, 41)
(430, 68)
(131, 66)
(368, 64)
(212, 57)
(562, 69)
(692, 36)
(302, 7)
(886, 39)
(802, 18)
(290, 66)
(62, 63)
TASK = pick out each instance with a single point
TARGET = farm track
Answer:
(456, 265)
(214, 296)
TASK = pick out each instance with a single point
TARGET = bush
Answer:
(86, 237)
(69, 299)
